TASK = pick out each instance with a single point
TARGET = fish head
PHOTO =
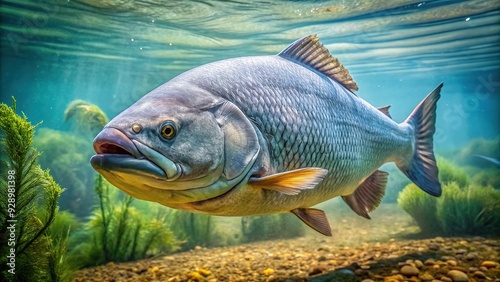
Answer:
(176, 147)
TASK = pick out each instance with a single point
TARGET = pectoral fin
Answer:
(314, 218)
(291, 182)
(368, 195)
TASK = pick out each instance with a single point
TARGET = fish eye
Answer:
(168, 130)
(136, 128)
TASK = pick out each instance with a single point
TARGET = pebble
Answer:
(339, 275)
(419, 263)
(479, 274)
(463, 269)
(426, 277)
(429, 262)
(434, 247)
(409, 270)
(473, 269)
(204, 272)
(316, 269)
(452, 262)
(195, 276)
(394, 278)
(447, 258)
(489, 264)
(268, 271)
(439, 239)
(458, 276)
(322, 258)
(361, 272)
(471, 256)
(314, 260)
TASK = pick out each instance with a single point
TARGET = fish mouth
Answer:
(118, 153)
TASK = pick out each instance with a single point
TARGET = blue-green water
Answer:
(112, 52)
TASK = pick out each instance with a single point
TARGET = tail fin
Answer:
(422, 168)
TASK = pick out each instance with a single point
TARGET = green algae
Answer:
(119, 230)
(31, 197)
(192, 228)
(271, 227)
(87, 118)
(469, 210)
(464, 208)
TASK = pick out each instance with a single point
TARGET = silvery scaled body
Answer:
(261, 135)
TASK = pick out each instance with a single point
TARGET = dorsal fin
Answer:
(385, 111)
(310, 52)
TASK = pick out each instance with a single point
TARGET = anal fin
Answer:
(291, 182)
(368, 195)
(314, 218)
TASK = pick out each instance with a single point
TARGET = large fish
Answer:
(263, 135)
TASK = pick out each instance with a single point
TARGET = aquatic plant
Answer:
(88, 118)
(472, 210)
(397, 181)
(267, 227)
(486, 177)
(462, 209)
(118, 231)
(192, 228)
(64, 223)
(477, 159)
(449, 172)
(67, 156)
(421, 206)
(28, 252)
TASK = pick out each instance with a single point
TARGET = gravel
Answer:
(368, 251)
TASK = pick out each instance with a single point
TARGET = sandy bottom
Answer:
(382, 249)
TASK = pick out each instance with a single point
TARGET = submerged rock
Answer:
(489, 264)
(458, 276)
(409, 270)
(340, 275)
